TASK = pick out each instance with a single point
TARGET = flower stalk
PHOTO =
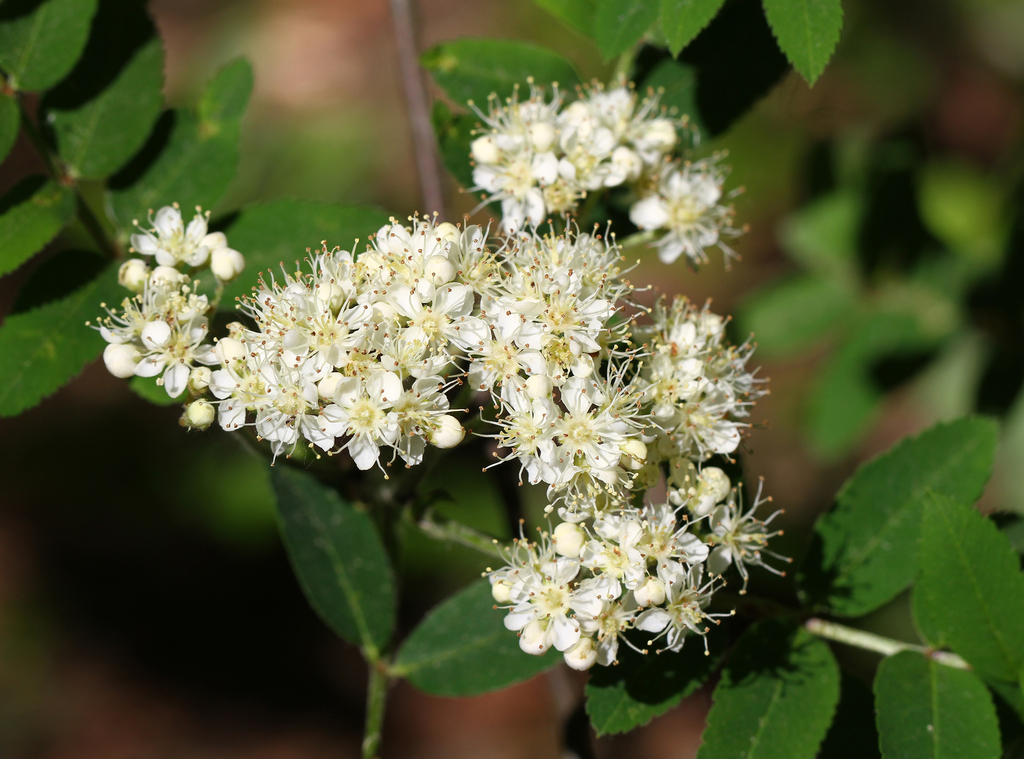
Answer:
(376, 696)
(877, 643)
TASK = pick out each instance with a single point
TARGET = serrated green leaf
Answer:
(865, 549)
(579, 14)
(620, 24)
(640, 688)
(27, 224)
(807, 31)
(268, 234)
(40, 42)
(338, 558)
(971, 592)
(472, 69)
(776, 698)
(10, 123)
(198, 160)
(927, 710)
(147, 389)
(101, 135)
(461, 648)
(678, 83)
(683, 20)
(823, 235)
(46, 347)
(454, 140)
(790, 315)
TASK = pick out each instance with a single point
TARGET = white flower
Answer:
(741, 539)
(687, 597)
(170, 242)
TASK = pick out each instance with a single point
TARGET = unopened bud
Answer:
(199, 379)
(533, 638)
(439, 270)
(539, 386)
(121, 359)
(447, 231)
(484, 150)
(200, 414)
(133, 275)
(541, 135)
(448, 433)
(568, 539)
(634, 454)
(226, 263)
(582, 655)
(328, 385)
(156, 334)
(651, 593)
(715, 483)
(229, 351)
(660, 134)
(168, 276)
(501, 591)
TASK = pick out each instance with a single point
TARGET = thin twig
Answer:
(419, 108)
(376, 696)
(877, 643)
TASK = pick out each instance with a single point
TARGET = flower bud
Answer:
(568, 539)
(533, 638)
(167, 276)
(541, 135)
(439, 270)
(582, 655)
(133, 275)
(651, 593)
(634, 454)
(214, 240)
(448, 433)
(501, 591)
(484, 150)
(121, 359)
(156, 334)
(328, 385)
(200, 414)
(226, 263)
(628, 162)
(539, 386)
(447, 231)
(660, 134)
(199, 379)
(715, 483)
(229, 351)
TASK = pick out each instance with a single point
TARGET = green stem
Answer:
(877, 643)
(624, 65)
(376, 695)
(451, 531)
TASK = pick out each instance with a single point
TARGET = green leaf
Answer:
(639, 688)
(790, 315)
(195, 157)
(807, 31)
(1014, 532)
(865, 549)
(971, 592)
(100, 135)
(963, 207)
(678, 83)
(46, 347)
(454, 140)
(58, 277)
(40, 42)
(776, 698)
(620, 24)
(823, 235)
(472, 69)
(147, 389)
(338, 558)
(268, 234)
(34, 212)
(461, 648)
(579, 14)
(10, 123)
(683, 20)
(927, 710)
(852, 734)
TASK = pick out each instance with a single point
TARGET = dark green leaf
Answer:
(454, 138)
(46, 347)
(865, 549)
(462, 648)
(971, 592)
(807, 31)
(640, 688)
(147, 389)
(852, 734)
(776, 698)
(679, 84)
(102, 113)
(792, 314)
(10, 123)
(283, 230)
(58, 277)
(40, 41)
(682, 20)
(927, 710)
(33, 213)
(472, 69)
(579, 14)
(620, 24)
(338, 558)
(197, 161)
(1014, 532)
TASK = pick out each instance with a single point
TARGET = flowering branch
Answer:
(877, 643)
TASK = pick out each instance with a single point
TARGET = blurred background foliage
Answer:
(146, 606)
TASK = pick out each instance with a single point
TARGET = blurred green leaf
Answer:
(865, 549)
(338, 558)
(462, 491)
(683, 20)
(147, 389)
(679, 83)
(963, 208)
(98, 137)
(789, 316)
(579, 14)
(268, 234)
(454, 139)
(639, 688)
(198, 160)
(10, 123)
(823, 235)
(620, 24)
(472, 69)
(33, 213)
(971, 592)
(40, 41)
(928, 710)
(776, 698)
(807, 31)
(46, 347)
(461, 648)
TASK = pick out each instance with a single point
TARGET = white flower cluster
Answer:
(537, 159)
(162, 329)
